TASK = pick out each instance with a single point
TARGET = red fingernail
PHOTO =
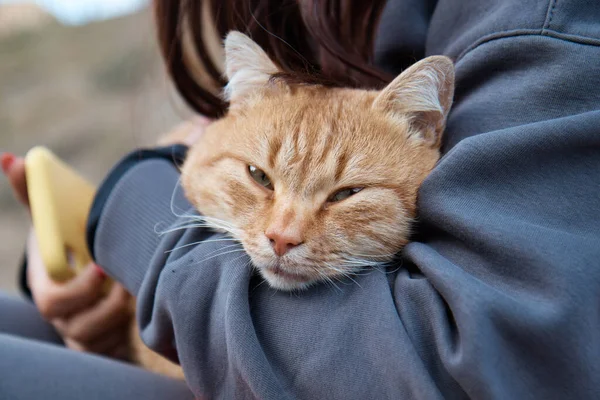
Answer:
(7, 160)
(100, 271)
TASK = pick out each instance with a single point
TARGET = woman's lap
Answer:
(20, 317)
(30, 368)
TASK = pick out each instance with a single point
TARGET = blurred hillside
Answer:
(90, 93)
(22, 17)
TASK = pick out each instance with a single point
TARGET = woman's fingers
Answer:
(114, 344)
(86, 319)
(199, 125)
(59, 300)
(91, 328)
(187, 132)
(14, 169)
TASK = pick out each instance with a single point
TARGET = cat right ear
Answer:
(247, 67)
(421, 95)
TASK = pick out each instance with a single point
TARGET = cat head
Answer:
(317, 182)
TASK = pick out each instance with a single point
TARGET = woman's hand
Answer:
(86, 319)
(187, 132)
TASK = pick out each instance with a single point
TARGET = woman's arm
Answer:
(234, 336)
(498, 297)
(78, 310)
(500, 301)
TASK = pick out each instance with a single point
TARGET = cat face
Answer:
(315, 182)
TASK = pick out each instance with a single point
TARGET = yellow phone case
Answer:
(60, 200)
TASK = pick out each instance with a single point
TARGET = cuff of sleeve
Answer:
(24, 285)
(174, 154)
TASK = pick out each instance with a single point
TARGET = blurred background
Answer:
(84, 78)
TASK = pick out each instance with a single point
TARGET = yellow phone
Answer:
(60, 201)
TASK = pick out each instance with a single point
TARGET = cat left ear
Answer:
(247, 67)
(423, 95)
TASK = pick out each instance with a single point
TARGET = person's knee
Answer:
(21, 318)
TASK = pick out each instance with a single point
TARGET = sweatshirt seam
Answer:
(544, 32)
(549, 15)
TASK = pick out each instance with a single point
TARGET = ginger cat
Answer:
(317, 182)
(314, 182)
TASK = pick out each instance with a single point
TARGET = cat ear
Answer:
(247, 67)
(423, 95)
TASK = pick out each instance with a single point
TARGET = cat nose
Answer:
(281, 242)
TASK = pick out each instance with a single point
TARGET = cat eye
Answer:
(343, 194)
(260, 177)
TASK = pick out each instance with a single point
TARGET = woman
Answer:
(497, 297)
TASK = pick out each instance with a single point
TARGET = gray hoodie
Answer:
(498, 297)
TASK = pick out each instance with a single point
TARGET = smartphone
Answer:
(60, 201)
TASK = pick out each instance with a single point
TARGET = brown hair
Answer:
(315, 41)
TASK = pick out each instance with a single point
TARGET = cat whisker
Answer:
(200, 241)
(223, 248)
(189, 218)
(364, 263)
(342, 272)
(207, 222)
(348, 276)
(204, 218)
(370, 255)
(256, 287)
(237, 258)
(201, 224)
(354, 266)
(220, 254)
(327, 279)
(178, 228)
(394, 270)
(217, 225)
(228, 239)
(172, 200)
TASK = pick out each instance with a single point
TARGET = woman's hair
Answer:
(313, 41)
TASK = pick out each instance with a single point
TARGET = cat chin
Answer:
(281, 280)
